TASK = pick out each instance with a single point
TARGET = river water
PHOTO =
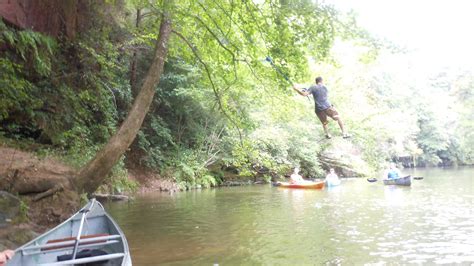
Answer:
(356, 223)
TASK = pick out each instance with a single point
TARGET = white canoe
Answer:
(102, 242)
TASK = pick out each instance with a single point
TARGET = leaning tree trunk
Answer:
(92, 175)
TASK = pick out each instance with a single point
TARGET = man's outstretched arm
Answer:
(301, 92)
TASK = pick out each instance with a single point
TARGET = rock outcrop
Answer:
(345, 158)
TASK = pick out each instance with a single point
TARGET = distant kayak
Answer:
(333, 183)
(305, 185)
(404, 181)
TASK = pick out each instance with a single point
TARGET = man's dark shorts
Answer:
(323, 115)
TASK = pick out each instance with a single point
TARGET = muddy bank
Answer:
(27, 206)
(25, 218)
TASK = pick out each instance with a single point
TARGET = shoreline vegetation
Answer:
(118, 97)
(36, 216)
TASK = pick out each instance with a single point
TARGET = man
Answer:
(296, 178)
(332, 179)
(323, 106)
(392, 172)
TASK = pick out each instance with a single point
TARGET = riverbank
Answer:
(31, 176)
(25, 178)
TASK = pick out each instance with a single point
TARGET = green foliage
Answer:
(213, 99)
(118, 181)
(53, 104)
(17, 93)
(31, 47)
(84, 199)
(464, 130)
(122, 184)
(70, 100)
(208, 181)
(22, 216)
(277, 145)
(31, 59)
(219, 103)
(189, 171)
(394, 118)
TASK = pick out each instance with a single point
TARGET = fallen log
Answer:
(112, 197)
(48, 192)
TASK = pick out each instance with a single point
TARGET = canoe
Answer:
(305, 185)
(333, 183)
(101, 242)
(403, 181)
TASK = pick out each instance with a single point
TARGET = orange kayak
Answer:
(305, 185)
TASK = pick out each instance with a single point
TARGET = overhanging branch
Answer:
(209, 76)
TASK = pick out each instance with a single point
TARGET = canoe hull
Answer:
(404, 181)
(306, 185)
(99, 231)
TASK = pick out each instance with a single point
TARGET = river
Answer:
(356, 223)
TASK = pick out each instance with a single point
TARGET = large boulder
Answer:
(9, 208)
(345, 158)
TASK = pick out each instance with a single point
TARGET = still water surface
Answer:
(355, 223)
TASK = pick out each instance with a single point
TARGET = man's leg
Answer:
(324, 121)
(335, 115)
(341, 125)
(326, 133)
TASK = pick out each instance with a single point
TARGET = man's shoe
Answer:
(346, 136)
(328, 136)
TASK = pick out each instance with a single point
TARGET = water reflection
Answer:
(395, 195)
(355, 223)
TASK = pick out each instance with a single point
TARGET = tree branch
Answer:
(220, 44)
(216, 24)
(209, 76)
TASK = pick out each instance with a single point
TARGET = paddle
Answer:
(84, 212)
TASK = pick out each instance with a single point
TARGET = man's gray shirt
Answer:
(320, 95)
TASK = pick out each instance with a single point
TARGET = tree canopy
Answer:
(219, 104)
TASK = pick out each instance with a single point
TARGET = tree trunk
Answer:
(95, 171)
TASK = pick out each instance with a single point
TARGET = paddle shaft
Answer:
(78, 237)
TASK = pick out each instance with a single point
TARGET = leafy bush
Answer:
(30, 59)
